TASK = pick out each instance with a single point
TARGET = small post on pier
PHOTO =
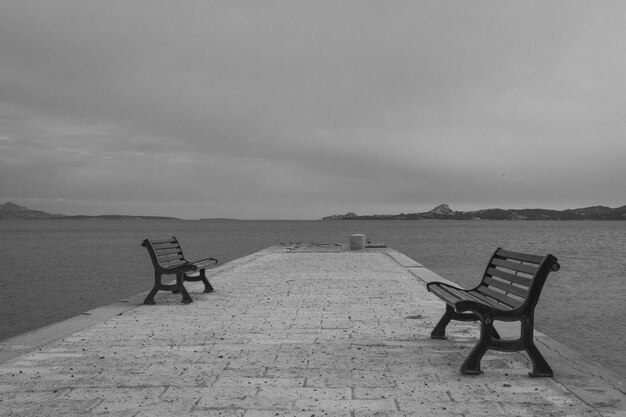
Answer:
(357, 242)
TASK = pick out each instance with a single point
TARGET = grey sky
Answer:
(301, 109)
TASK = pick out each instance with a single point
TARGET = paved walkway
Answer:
(293, 332)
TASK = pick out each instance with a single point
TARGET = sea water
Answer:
(55, 269)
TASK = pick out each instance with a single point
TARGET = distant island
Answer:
(443, 212)
(10, 210)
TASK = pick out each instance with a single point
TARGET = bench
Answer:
(509, 292)
(168, 259)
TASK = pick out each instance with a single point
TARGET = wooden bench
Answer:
(509, 292)
(168, 259)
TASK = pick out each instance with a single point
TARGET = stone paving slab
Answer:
(294, 331)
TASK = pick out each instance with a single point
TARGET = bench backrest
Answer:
(514, 280)
(164, 253)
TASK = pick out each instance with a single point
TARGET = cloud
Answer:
(290, 110)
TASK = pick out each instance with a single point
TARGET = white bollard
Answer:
(357, 242)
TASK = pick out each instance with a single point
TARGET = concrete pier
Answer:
(315, 330)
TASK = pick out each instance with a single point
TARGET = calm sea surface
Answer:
(55, 269)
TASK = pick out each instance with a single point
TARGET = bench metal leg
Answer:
(540, 365)
(207, 285)
(495, 334)
(157, 284)
(150, 298)
(471, 365)
(489, 339)
(179, 283)
(175, 288)
(439, 332)
(201, 277)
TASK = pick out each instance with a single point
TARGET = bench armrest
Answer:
(457, 298)
(440, 283)
(203, 262)
(186, 267)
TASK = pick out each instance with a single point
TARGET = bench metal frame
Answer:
(509, 291)
(168, 259)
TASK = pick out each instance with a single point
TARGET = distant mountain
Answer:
(10, 210)
(346, 216)
(443, 212)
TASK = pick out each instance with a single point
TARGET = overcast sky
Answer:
(303, 109)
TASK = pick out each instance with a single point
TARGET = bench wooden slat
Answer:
(445, 294)
(489, 301)
(518, 279)
(169, 255)
(526, 257)
(169, 258)
(454, 295)
(465, 295)
(168, 241)
(205, 262)
(525, 268)
(169, 248)
(498, 296)
(167, 251)
(504, 286)
(172, 265)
